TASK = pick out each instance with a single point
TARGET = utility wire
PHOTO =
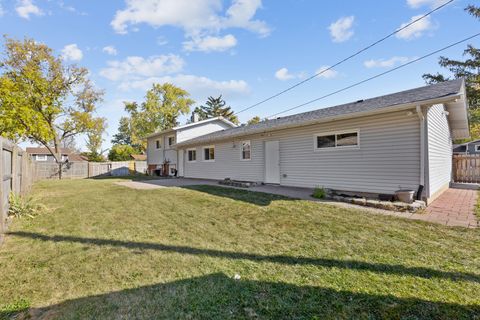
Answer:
(345, 59)
(376, 76)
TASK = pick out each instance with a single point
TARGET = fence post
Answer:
(14, 169)
(2, 205)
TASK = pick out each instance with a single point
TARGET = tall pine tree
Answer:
(216, 107)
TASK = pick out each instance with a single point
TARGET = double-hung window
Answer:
(158, 144)
(346, 139)
(209, 153)
(171, 141)
(246, 150)
(192, 155)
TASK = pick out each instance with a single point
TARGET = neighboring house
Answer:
(472, 148)
(379, 145)
(138, 157)
(41, 154)
(161, 145)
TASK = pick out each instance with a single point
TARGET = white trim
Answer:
(477, 147)
(241, 150)
(168, 140)
(188, 158)
(335, 133)
(41, 157)
(423, 148)
(203, 153)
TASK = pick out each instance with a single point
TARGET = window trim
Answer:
(203, 153)
(241, 150)
(315, 136)
(477, 147)
(192, 149)
(158, 144)
(41, 157)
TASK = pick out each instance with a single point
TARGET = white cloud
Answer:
(195, 85)
(110, 50)
(420, 3)
(72, 52)
(137, 67)
(326, 74)
(25, 8)
(283, 74)
(201, 20)
(2, 12)
(417, 29)
(386, 63)
(161, 41)
(210, 43)
(341, 30)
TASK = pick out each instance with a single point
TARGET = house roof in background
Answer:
(139, 157)
(192, 125)
(43, 150)
(446, 91)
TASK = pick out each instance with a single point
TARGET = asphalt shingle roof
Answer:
(430, 92)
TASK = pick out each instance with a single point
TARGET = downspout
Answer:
(421, 116)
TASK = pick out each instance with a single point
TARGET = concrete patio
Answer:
(455, 207)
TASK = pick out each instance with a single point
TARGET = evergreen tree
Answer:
(216, 107)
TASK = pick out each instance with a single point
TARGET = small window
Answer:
(477, 147)
(42, 157)
(192, 155)
(157, 144)
(337, 140)
(64, 158)
(171, 140)
(246, 150)
(209, 154)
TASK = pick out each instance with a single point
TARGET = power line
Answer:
(375, 76)
(345, 59)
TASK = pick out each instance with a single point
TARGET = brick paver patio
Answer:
(455, 207)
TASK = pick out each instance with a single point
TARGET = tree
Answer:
(469, 69)
(41, 99)
(254, 120)
(120, 152)
(94, 143)
(163, 105)
(216, 107)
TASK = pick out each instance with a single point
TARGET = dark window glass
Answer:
(157, 143)
(326, 141)
(192, 155)
(209, 153)
(246, 153)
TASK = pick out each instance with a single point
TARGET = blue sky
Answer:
(244, 49)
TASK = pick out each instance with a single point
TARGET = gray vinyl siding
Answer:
(439, 149)
(388, 157)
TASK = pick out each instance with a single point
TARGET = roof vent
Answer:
(359, 101)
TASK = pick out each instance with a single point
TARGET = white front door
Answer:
(180, 163)
(272, 162)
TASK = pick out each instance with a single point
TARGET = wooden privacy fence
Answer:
(84, 169)
(17, 175)
(466, 168)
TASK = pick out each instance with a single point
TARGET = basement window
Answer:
(345, 139)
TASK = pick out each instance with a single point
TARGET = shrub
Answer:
(319, 193)
(20, 206)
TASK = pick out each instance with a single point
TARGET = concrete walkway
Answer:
(453, 208)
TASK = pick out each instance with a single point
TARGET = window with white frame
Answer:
(171, 140)
(191, 155)
(64, 158)
(336, 140)
(246, 150)
(41, 157)
(477, 147)
(158, 145)
(209, 153)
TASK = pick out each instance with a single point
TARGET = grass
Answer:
(104, 251)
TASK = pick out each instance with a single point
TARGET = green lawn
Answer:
(104, 251)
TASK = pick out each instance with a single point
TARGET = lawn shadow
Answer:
(252, 197)
(422, 272)
(217, 296)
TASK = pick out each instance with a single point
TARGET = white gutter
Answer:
(422, 144)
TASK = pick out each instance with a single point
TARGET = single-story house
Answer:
(161, 154)
(468, 148)
(41, 154)
(377, 146)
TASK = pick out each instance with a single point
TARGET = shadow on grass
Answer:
(217, 296)
(253, 197)
(281, 259)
